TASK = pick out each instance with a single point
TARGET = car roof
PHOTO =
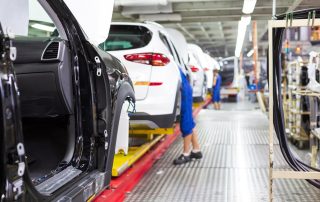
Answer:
(179, 42)
(194, 47)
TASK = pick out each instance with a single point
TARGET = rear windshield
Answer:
(124, 37)
(227, 72)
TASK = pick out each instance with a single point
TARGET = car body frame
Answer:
(99, 86)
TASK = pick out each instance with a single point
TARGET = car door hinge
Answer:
(17, 188)
(13, 53)
(103, 140)
(21, 164)
(106, 144)
(14, 190)
(98, 62)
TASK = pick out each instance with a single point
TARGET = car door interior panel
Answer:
(44, 79)
(42, 67)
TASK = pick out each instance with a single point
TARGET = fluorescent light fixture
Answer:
(248, 6)
(43, 27)
(250, 53)
(242, 29)
(246, 19)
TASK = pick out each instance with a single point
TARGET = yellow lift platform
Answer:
(157, 131)
(199, 104)
(122, 162)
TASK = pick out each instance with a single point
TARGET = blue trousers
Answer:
(215, 94)
(186, 122)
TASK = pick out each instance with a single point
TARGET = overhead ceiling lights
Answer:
(43, 27)
(250, 53)
(248, 6)
(242, 29)
(246, 19)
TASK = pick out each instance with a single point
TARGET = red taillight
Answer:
(155, 84)
(154, 59)
(194, 69)
(159, 59)
(143, 58)
(146, 83)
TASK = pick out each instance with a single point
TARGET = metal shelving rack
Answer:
(277, 174)
(293, 109)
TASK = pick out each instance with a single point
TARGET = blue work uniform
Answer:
(186, 121)
(216, 90)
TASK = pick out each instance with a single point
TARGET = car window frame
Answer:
(178, 60)
(165, 41)
(103, 46)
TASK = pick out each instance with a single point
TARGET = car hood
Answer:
(94, 17)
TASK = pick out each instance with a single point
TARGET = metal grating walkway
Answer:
(234, 167)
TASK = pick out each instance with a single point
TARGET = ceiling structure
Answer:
(212, 24)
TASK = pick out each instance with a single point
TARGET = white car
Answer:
(210, 65)
(230, 74)
(180, 42)
(150, 58)
(199, 77)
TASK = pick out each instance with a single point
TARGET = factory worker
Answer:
(216, 88)
(187, 125)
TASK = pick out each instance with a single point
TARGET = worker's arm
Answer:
(214, 80)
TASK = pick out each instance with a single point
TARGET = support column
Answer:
(256, 66)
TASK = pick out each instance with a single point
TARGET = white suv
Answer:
(182, 55)
(198, 74)
(149, 56)
(210, 64)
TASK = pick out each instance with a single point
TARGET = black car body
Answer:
(60, 108)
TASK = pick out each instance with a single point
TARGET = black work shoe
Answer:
(181, 160)
(196, 155)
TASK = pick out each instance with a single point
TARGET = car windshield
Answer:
(124, 37)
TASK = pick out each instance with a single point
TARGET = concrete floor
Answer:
(234, 168)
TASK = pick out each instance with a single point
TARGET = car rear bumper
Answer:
(198, 99)
(229, 91)
(160, 120)
(152, 121)
(197, 90)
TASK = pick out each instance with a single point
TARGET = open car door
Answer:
(12, 149)
(94, 17)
